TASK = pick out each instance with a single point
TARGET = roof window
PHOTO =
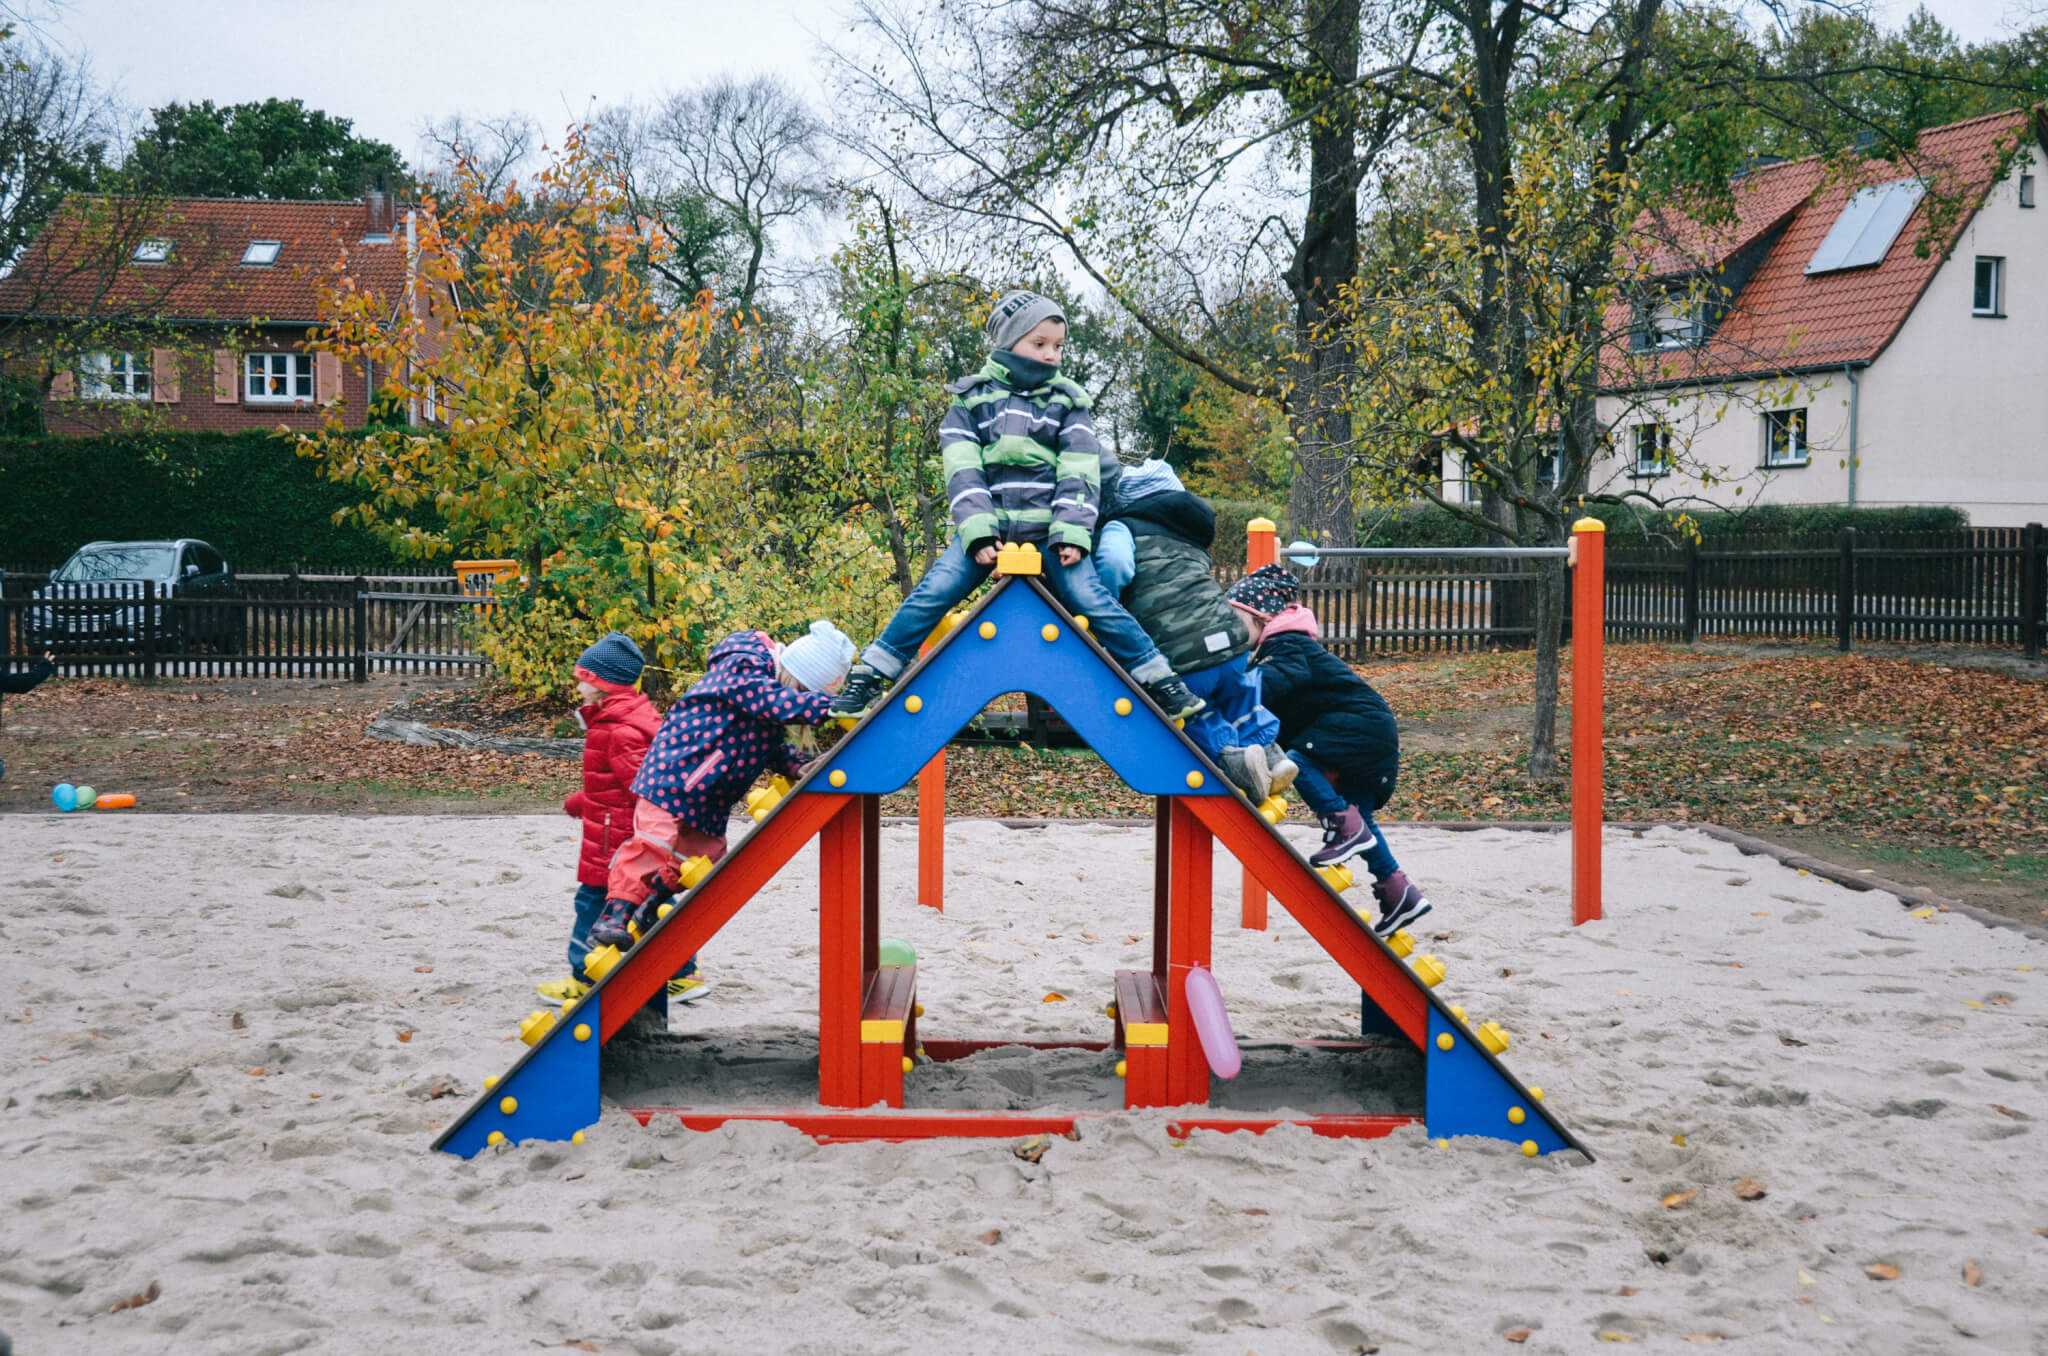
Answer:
(152, 251)
(1871, 221)
(262, 251)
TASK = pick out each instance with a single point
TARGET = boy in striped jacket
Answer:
(1022, 465)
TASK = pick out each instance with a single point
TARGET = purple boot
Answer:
(610, 927)
(1401, 903)
(1344, 837)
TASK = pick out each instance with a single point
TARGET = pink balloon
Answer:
(1212, 1023)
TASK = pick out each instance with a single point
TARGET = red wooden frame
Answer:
(834, 1127)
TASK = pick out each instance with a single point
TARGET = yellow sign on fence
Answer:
(480, 578)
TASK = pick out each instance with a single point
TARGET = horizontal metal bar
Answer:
(1422, 552)
(411, 657)
(469, 599)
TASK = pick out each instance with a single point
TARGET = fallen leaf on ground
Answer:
(1626, 1291)
(1033, 1149)
(1679, 1140)
(2005, 1111)
(1678, 1198)
(1054, 998)
(1881, 1271)
(581, 1344)
(1132, 939)
(1749, 1189)
(423, 969)
(992, 1237)
(136, 1301)
(1610, 1335)
(236, 1022)
(438, 1091)
(405, 1037)
(254, 1073)
(1072, 1132)
(1806, 1278)
(1788, 1040)
(1972, 1273)
(1261, 1210)
(1519, 1334)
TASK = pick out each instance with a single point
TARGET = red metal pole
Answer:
(1187, 1068)
(1259, 549)
(839, 956)
(1589, 625)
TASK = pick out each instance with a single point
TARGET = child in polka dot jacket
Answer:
(713, 743)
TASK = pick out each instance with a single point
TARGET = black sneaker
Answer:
(1401, 903)
(862, 693)
(1172, 695)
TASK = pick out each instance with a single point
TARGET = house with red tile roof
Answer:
(201, 315)
(1875, 338)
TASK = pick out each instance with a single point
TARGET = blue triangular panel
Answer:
(554, 1089)
(1465, 1093)
(1002, 647)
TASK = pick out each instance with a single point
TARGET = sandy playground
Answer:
(226, 1035)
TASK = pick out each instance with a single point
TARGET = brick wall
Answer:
(196, 408)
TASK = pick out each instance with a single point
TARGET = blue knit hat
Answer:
(615, 659)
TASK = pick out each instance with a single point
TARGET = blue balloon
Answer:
(65, 796)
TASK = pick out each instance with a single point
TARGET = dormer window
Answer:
(262, 252)
(152, 251)
(1673, 320)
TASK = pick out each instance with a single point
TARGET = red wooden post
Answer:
(931, 818)
(1187, 1068)
(840, 978)
(1259, 550)
(1589, 624)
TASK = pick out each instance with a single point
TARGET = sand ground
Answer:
(224, 1034)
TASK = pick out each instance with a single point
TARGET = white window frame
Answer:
(261, 371)
(119, 374)
(1659, 442)
(1997, 307)
(153, 251)
(2026, 190)
(1798, 449)
(270, 249)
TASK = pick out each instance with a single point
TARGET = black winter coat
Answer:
(1327, 711)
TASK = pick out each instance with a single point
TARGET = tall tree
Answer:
(1175, 152)
(277, 148)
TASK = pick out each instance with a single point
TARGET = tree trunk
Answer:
(1550, 590)
(1325, 262)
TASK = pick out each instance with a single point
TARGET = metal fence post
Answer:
(2033, 588)
(1845, 594)
(1690, 613)
(149, 631)
(359, 623)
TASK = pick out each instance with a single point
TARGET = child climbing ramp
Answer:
(1168, 1024)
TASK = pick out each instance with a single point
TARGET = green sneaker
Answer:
(560, 991)
(687, 990)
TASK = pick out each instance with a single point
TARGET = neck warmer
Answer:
(1026, 374)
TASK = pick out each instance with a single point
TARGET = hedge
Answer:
(251, 495)
(1428, 525)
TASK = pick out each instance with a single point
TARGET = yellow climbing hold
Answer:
(988, 630)
(664, 910)
(537, 1025)
(1536, 1094)
(1402, 943)
(1195, 779)
(597, 964)
(1049, 632)
(1338, 877)
(1273, 809)
(913, 703)
(1123, 706)
(837, 776)
(1429, 970)
(508, 1105)
(582, 1031)
(1494, 1037)
(1445, 1041)
(692, 872)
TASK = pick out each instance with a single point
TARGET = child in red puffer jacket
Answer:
(618, 725)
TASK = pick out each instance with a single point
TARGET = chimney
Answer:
(377, 215)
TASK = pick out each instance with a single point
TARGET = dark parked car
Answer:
(92, 602)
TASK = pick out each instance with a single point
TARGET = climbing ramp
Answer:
(1017, 638)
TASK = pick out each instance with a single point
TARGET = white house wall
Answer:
(1954, 411)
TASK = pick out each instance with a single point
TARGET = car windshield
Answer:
(119, 562)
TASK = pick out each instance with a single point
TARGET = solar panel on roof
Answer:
(1871, 221)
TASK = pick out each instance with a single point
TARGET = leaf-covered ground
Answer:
(1923, 771)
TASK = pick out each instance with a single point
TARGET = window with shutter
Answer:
(163, 376)
(226, 373)
(326, 378)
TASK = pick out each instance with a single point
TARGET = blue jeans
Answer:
(1233, 715)
(1116, 558)
(1324, 801)
(953, 576)
(589, 904)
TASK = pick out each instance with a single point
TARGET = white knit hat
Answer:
(819, 658)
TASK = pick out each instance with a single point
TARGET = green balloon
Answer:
(896, 951)
(86, 796)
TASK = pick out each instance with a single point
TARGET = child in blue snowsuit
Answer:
(718, 737)
(1022, 465)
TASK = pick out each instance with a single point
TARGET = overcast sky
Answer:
(390, 65)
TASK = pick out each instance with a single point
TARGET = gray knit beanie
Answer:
(1017, 314)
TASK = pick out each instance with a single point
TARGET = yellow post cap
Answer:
(1262, 525)
(1589, 525)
